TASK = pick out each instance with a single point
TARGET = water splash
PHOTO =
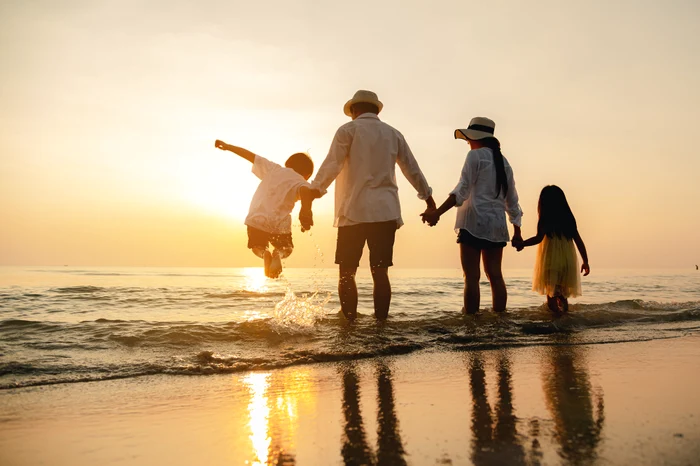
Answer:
(299, 313)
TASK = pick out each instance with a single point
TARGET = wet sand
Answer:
(625, 403)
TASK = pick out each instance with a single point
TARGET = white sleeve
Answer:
(470, 170)
(410, 169)
(262, 166)
(515, 213)
(334, 162)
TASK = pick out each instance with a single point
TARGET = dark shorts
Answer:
(379, 238)
(464, 237)
(261, 239)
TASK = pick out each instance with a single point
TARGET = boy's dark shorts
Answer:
(379, 237)
(467, 238)
(261, 239)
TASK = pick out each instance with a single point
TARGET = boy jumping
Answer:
(269, 219)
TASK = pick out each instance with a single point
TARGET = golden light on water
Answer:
(259, 413)
(256, 282)
(255, 279)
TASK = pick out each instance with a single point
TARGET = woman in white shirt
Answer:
(485, 193)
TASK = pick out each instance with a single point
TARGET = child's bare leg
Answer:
(276, 262)
(552, 304)
(265, 255)
(564, 304)
(283, 252)
(259, 251)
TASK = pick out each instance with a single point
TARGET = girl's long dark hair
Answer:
(501, 177)
(555, 214)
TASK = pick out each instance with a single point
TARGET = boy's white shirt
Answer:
(273, 201)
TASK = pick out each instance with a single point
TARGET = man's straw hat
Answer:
(479, 128)
(362, 96)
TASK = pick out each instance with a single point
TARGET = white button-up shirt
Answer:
(480, 212)
(273, 201)
(362, 159)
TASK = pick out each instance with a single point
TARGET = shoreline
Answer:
(624, 403)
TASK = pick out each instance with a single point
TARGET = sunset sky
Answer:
(109, 111)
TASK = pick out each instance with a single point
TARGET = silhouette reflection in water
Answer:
(355, 449)
(494, 441)
(578, 419)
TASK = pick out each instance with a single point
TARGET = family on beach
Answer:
(362, 160)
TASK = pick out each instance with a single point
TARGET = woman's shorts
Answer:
(464, 237)
(261, 239)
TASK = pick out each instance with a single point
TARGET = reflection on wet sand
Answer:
(578, 425)
(355, 449)
(494, 441)
(275, 401)
(278, 399)
(390, 450)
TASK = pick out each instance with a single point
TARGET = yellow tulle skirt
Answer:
(557, 268)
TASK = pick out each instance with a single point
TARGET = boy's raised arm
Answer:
(246, 154)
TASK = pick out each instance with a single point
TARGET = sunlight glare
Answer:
(221, 181)
(259, 413)
(255, 279)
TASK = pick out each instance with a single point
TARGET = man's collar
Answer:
(368, 115)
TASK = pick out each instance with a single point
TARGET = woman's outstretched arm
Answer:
(431, 216)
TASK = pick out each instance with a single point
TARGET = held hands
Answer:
(517, 243)
(430, 216)
(306, 218)
(586, 269)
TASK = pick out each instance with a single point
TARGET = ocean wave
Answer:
(34, 352)
(144, 273)
(16, 375)
(245, 294)
(532, 320)
(79, 289)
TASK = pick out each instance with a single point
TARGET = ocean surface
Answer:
(74, 324)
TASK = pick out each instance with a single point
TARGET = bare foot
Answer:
(275, 268)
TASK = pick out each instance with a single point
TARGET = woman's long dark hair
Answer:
(501, 177)
(555, 214)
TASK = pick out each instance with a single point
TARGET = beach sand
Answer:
(625, 403)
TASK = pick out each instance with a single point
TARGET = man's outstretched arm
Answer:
(410, 169)
(334, 161)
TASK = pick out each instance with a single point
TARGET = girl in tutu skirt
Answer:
(556, 267)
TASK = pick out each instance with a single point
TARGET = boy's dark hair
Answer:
(301, 163)
(555, 214)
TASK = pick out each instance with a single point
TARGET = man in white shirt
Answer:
(362, 159)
